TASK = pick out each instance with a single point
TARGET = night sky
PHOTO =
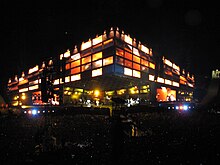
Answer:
(185, 31)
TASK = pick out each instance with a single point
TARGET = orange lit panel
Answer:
(67, 66)
(108, 61)
(136, 66)
(136, 74)
(168, 72)
(75, 63)
(96, 56)
(119, 52)
(128, 63)
(97, 72)
(86, 60)
(75, 70)
(165, 94)
(76, 77)
(136, 59)
(128, 55)
(144, 62)
(108, 41)
(128, 71)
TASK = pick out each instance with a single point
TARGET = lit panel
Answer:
(96, 56)
(128, 71)
(56, 82)
(66, 54)
(33, 87)
(136, 74)
(23, 90)
(97, 72)
(135, 51)
(75, 77)
(86, 45)
(151, 77)
(145, 49)
(108, 61)
(32, 70)
(168, 62)
(67, 79)
(176, 84)
(128, 39)
(152, 65)
(86, 60)
(160, 80)
(97, 40)
(168, 82)
(97, 64)
(75, 56)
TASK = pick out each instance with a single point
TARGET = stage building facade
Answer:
(112, 64)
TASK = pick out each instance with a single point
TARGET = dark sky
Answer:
(185, 31)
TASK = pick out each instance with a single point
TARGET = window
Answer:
(75, 77)
(144, 62)
(97, 64)
(136, 59)
(75, 70)
(128, 63)
(119, 60)
(128, 71)
(67, 66)
(86, 60)
(152, 65)
(97, 72)
(136, 66)
(86, 67)
(128, 55)
(136, 74)
(96, 56)
(108, 61)
(119, 52)
(75, 63)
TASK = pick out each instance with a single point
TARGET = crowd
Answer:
(165, 137)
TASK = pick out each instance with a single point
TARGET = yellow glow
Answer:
(145, 49)
(86, 60)
(97, 72)
(22, 81)
(121, 91)
(75, 77)
(86, 45)
(96, 56)
(128, 71)
(96, 93)
(152, 65)
(23, 97)
(97, 40)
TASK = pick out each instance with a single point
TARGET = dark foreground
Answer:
(165, 137)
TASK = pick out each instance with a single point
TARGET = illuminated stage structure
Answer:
(112, 64)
